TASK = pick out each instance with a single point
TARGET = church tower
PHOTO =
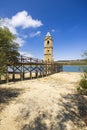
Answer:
(48, 48)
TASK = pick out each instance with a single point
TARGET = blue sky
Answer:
(30, 20)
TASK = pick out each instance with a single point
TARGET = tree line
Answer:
(8, 50)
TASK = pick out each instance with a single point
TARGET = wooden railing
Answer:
(27, 67)
(24, 59)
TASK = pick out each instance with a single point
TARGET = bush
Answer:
(82, 89)
(83, 82)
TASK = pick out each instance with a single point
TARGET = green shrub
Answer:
(82, 89)
(83, 83)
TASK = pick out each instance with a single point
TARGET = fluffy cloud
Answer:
(34, 34)
(24, 20)
(21, 19)
(6, 22)
(20, 41)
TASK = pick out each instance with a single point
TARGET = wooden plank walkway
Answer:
(32, 67)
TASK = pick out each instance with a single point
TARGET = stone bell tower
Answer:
(48, 48)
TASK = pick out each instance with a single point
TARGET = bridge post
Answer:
(23, 73)
(13, 75)
(7, 76)
(30, 75)
(21, 76)
(30, 72)
(36, 74)
(40, 71)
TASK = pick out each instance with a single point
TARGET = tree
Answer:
(8, 49)
(82, 88)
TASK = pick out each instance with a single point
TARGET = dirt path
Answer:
(49, 103)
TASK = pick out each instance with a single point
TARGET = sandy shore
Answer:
(49, 103)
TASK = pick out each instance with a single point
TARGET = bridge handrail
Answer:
(25, 59)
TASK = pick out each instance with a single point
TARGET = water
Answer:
(73, 68)
(26, 69)
(66, 68)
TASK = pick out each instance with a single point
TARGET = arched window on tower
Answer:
(48, 42)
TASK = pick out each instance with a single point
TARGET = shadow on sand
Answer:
(69, 114)
(66, 114)
(7, 95)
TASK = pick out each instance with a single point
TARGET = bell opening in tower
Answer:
(48, 42)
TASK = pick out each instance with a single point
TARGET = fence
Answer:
(28, 68)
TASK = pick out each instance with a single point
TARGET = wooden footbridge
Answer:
(29, 68)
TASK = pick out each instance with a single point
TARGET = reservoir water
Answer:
(66, 68)
(73, 68)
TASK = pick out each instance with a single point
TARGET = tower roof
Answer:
(48, 34)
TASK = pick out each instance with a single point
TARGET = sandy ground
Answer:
(49, 103)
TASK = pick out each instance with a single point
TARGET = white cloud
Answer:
(5, 22)
(24, 53)
(21, 19)
(34, 34)
(24, 20)
(20, 41)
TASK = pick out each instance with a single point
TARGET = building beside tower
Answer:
(48, 48)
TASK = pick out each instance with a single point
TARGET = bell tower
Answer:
(48, 48)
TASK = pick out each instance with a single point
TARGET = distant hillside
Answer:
(72, 62)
